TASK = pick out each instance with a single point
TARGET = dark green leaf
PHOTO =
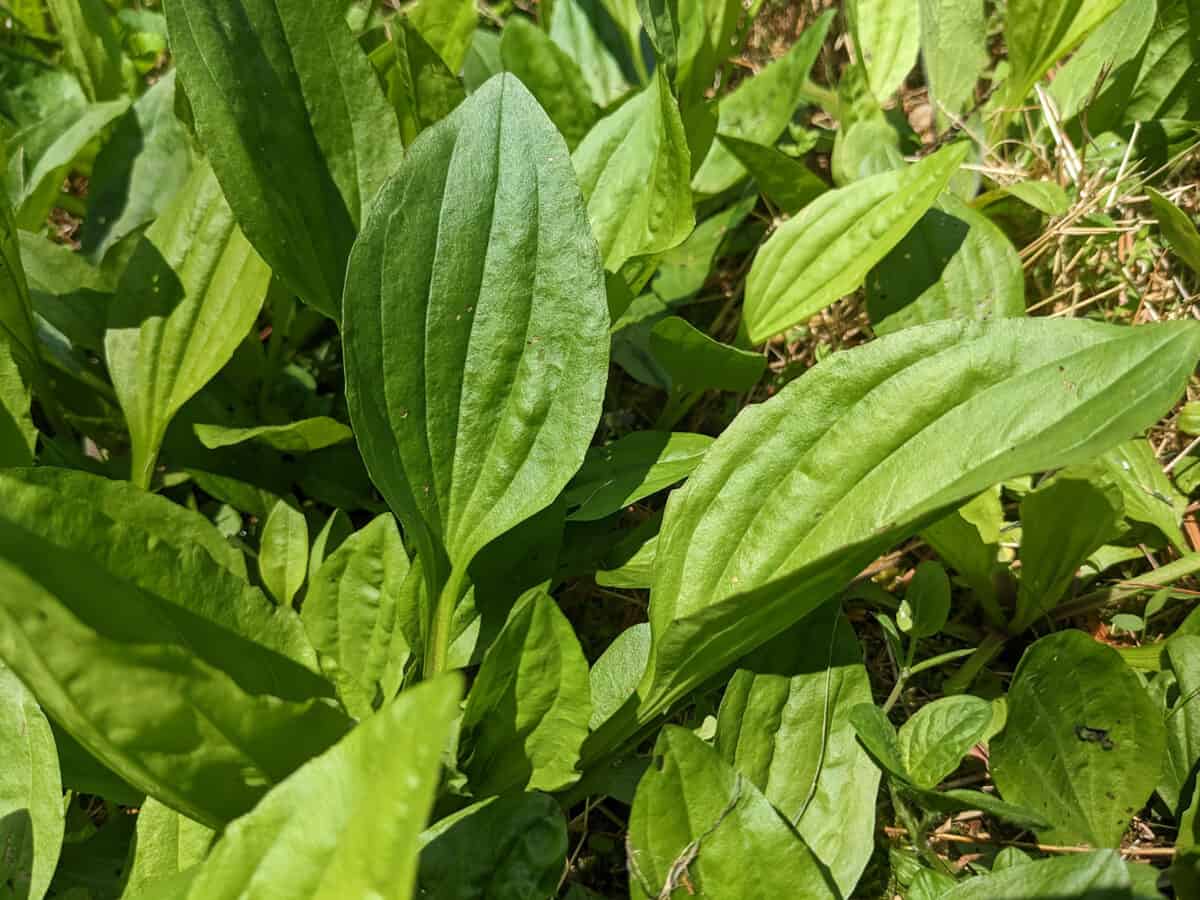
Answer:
(926, 604)
(1182, 715)
(697, 362)
(551, 76)
(419, 85)
(786, 182)
(90, 45)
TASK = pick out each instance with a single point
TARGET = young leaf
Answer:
(351, 615)
(784, 724)
(166, 844)
(694, 817)
(303, 436)
(1040, 32)
(697, 362)
(886, 39)
(510, 846)
(926, 604)
(31, 798)
(1100, 874)
(1178, 229)
(634, 167)
(330, 129)
(374, 789)
(803, 491)
(552, 77)
(283, 552)
(475, 386)
(827, 250)
(937, 737)
(1078, 717)
(760, 108)
(954, 264)
(954, 52)
(633, 467)
(419, 85)
(528, 710)
(188, 297)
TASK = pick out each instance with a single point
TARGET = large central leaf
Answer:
(476, 327)
(803, 490)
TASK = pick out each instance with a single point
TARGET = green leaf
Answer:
(303, 436)
(631, 468)
(1062, 524)
(800, 493)
(954, 264)
(683, 270)
(68, 291)
(696, 821)
(553, 78)
(886, 40)
(333, 533)
(90, 45)
(759, 109)
(1182, 716)
(586, 31)
(661, 20)
(330, 129)
(784, 724)
(1083, 744)
(483, 59)
(351, 614)
(879, 737)
(954, 52)
(1100, 874)
(926, 604)
(1040, 32)
(1165, 84)
(166, 844)
(697, 362)
(474, 388)
(528, 710)
(447, 26)
(634, 167)
(142, 165)
(187, 298)
(631, 570)
(1147, 492)
(16, 311)
(283, 552)
(786, 182)
(936, 738)
(510, 846)
(615, 675)
(31, 799)
(419, 85)
(1177, 228)
(374, 790)
(1044, 196)
(827, 250)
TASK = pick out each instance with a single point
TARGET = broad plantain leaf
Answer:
(698, 822)
(90, 45)
(528, 710)
(1182, 715)
(954, 52)
(475, 385)
(187, 298)
(374, 790)
(886, 40)
(303, 436)
(938, 735)
(1178, 229)
(827, 250)
(1083, 744)
(1040, 32)
(697, 362)
(786, 182)
(588, 34)
(447, 26)
(553, 78)
(283, 552)
(303, 159)
(419, 85)
(926, 604)
(1100, 874)
(166, 844)
(615, 675)
(31, 798)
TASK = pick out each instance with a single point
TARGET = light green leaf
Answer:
(1062, 524)
(351, 615)
(759, 109)
(786, 182)
(695, 817)
(1148, 493)
(301, 177)
(615, 675)
(587, 32)
(419, 85)
(955, 263)
(800, 493)
(879, 737)
(886, 39)
(1044, 196)
(332, 535)
(187, 298)
(528, 710)
(634, 570)
(447, 26)
(1182, 715)
(475, 385)
(631, 468)
(827, 250)
(553, 78)
(1038, 33)
(142, 165)
(374, 790)
(784, 724)
(1083, 744)
(510, 846)
(1100, 874)
(303, 436)
(166, 844)
(954, 52)
(926, 604)
(697, 362)
(939, 734)
(31, 799)
(90, 45)
(634, 167)
(16, 311)
(283, 552)
(1177, 228)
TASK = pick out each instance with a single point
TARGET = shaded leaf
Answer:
(552, 77)
(697, 362)
(1078, 875)
(166, 844)
(786, 182)
(926, 604)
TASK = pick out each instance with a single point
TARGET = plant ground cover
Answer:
(599, 448)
